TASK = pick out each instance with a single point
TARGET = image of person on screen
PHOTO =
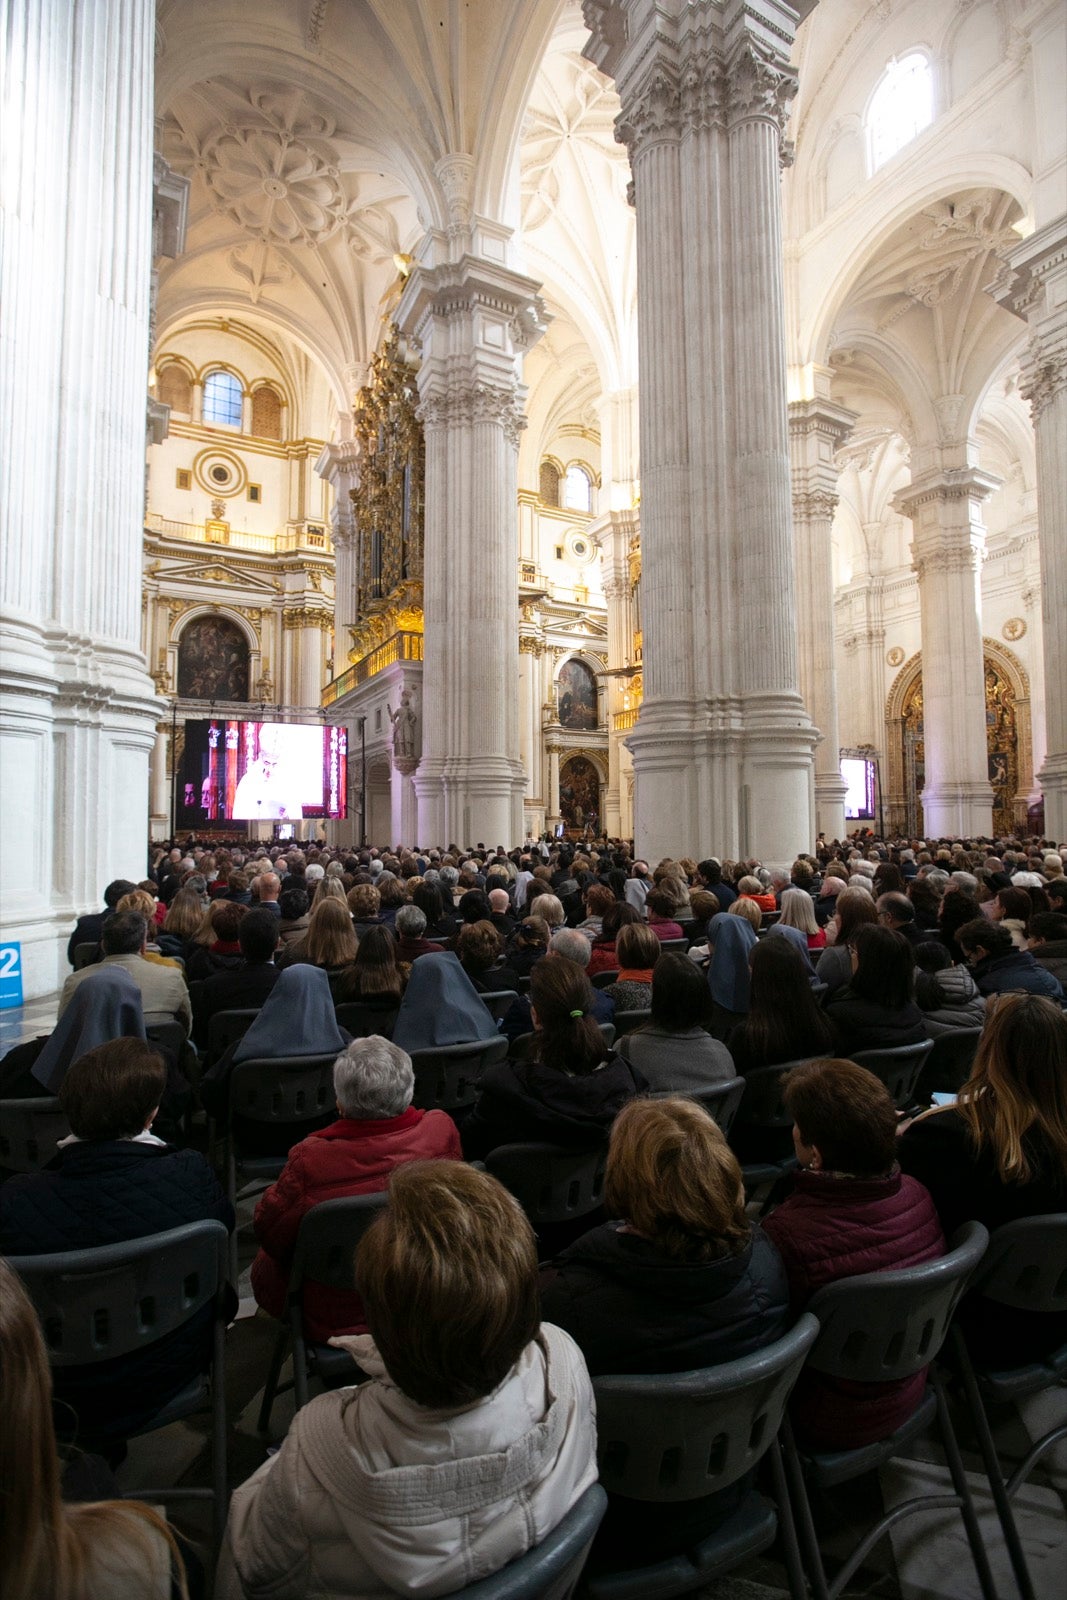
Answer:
(269, 789)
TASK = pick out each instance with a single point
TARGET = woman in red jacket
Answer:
(851, 1211)
(378, 1130)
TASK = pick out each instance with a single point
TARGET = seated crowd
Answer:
(601, 1006)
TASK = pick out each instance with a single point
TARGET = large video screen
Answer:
(859, 796)
(261, 772)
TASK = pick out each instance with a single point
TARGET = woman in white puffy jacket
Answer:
(472, 1439)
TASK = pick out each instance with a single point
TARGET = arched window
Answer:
(578, 490)
(901, 107)
(266, 413)
(175, 389)
(549, 490)
(222, 399)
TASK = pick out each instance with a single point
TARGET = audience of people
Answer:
(673, 1050)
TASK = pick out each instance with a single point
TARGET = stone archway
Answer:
(1009, 742)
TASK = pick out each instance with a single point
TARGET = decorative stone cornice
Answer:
(944, 558)
(958, 483)
(529, 646)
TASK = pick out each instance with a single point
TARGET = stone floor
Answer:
(924, 1558)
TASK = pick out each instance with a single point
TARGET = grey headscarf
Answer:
(440, 1006)
(104, 1007)
(296, 1019)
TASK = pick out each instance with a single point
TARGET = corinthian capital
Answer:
(1044, 374)
(461, 404)
(652, 114)
(759, 86)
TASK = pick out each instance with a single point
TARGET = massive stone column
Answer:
(531, 672)
(78, 709)
(723, 746)
(473, 319)
(947, 542)
(1038, 292)
(817, 429)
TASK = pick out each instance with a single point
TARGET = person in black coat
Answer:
(245, 987)
(683, 1281)
(87, 929)
(996, 966)
(111, 1181)
(573, 1088)
(876, 1010)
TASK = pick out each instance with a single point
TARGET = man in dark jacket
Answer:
(242, 988)
(87, 929)
(1047, 944)
(996, 966)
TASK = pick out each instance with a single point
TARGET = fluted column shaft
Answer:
(1038, 293)
(554, 753)
(473, 321)
(531, 649)
(947, 542)
(79, 711)
(160, 781)
(723, 746)
(817, 430)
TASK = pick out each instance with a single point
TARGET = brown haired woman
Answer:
(603, 957)
(637, 950)
(854, 908)
(572, 1089)
(472, 1439)
(1000, 1153)
(681, 1280)
(110, 1550)
(330, 941)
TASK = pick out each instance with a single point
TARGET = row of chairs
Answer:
(661, 1439)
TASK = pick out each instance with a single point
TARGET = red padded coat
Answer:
(835, 1226)
(348, 1157)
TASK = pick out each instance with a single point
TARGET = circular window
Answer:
(219, 472)
(580, 548)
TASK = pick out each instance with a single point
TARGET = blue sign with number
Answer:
(10, 976)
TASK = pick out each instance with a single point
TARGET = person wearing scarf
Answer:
(730, 939)
(296, 1019)
(800, 944)
(107, 1008)
(441, 1006)
(637, 951)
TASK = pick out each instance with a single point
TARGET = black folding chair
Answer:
(684, 1435)
(84, 954)
(898, 1068)
(551, 1184)
(362, 1020)
(949, 1063)
(100, 1305)
(761, 1126)
(225, 1028)
(604, 980)
(551, 1569)
(446, 1077)
(679, 946)
(30, 1131)
(627, 1021)
(499, 1002)
(1025, 1268)
(326, 1254)
(720, 1100)
(876, 1328)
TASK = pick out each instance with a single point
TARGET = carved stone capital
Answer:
(529, 646)
(1044, 375)
(811, 505)
(759, 87)
(929, 560)
(462, 405)
(306, 617)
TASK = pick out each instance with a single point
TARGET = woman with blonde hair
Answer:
(107, 1550)
(330, 940)
(680, 1279)
(472, 1438)
(184, 919)
(328, 888)
(798, 911)
(748, 911)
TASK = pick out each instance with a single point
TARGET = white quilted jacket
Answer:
(373, 1496)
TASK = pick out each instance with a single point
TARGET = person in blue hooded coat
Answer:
(730, 939)
(440, 1006)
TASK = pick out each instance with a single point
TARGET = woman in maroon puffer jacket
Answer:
(851, 1211)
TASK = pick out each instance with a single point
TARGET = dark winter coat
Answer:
(835, 1226)
(104, 1193)
(243, 989)
(630, 1308)
(965, 1186)
(1052, 955)
(861, 1024)
(1017, 970)
(525, 1101)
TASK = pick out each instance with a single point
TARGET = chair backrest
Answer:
(289, 1089)
(84, 953)
(225, 1028)
(446, 1078)
(881, 1326)
(97, 1305)
(948, 1065)
(898, 1068)
(170, 1036)
(551, 1569)
(682, 1435)
(362, 1020)
(30, 1130)
(627, 1021)
(679, 945)
(329, 1233)
(499, 1002)
(1025, 1265)
(762, 1105)
(604, 980)
(720, 1100)
(551, 1184)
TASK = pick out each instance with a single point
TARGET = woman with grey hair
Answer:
(377, 1129)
